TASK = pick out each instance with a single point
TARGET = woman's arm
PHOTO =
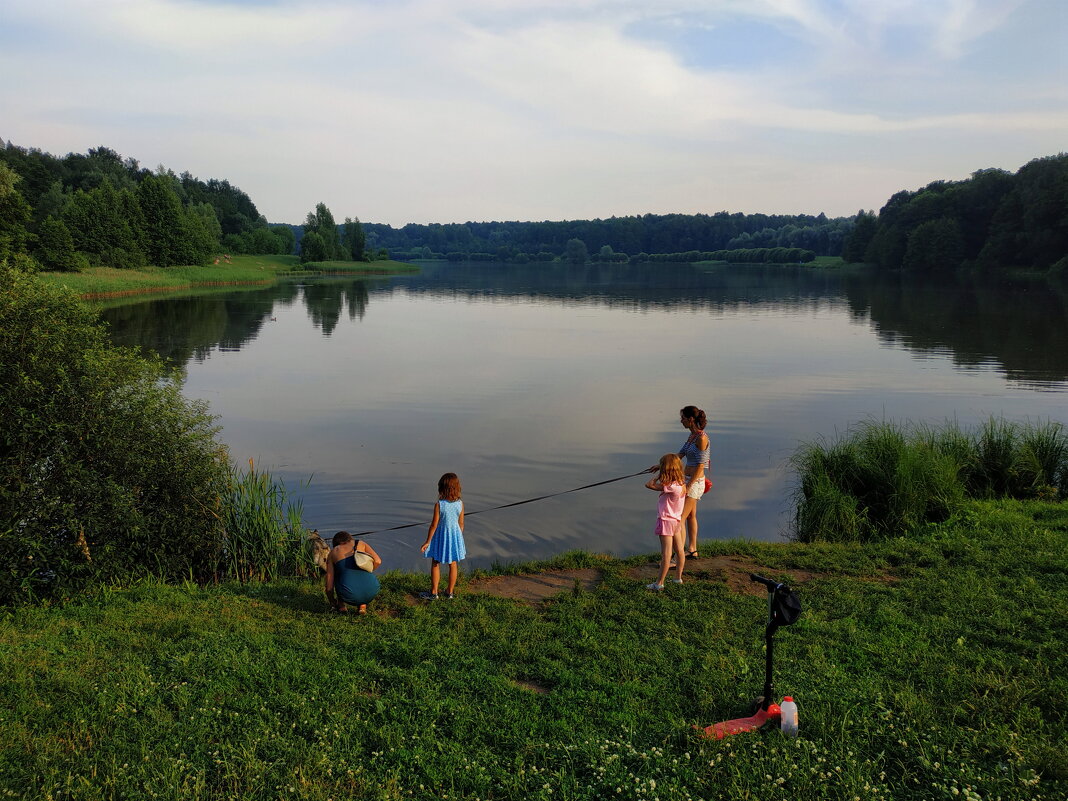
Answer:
(430, 531)
(363, 547)
(328, 579)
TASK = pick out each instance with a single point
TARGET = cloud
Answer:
(475, 109)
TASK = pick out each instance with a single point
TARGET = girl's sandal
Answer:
(691, 555)
(362, 610)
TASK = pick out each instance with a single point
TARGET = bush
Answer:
(106, 471)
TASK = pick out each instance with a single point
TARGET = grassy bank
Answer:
(927, 667)
(106, 282)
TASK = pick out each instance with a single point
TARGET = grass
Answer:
(925, 667)
(881, 479)
(106, 282)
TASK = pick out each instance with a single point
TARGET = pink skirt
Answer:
(665, 526)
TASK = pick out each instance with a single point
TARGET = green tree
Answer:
(321, 222)
(164, 222)
(575, 251)
(106, 225)
(312, 248)
(284, 239)
(935, 246)
(856, 243)
(204, 231)
(15, 213)
(355, 239)
(55, 247)
(106, 471)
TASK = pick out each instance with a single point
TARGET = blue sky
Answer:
(419, 111)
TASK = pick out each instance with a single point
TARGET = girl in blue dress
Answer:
(445, 538)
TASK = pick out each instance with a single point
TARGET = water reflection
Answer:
(1020, 326)
(531, 380)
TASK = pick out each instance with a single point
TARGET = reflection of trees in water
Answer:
(1023, 327)
(632, 286)
(325, 301)
(184, 329)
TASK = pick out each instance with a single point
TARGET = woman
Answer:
(345, 582)
(695, 452)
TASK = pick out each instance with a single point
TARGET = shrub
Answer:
(106, 470)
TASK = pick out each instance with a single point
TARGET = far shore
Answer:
(104, 283)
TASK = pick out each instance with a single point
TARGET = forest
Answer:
(100, 209)
(992, 221)
(97, 208)
(613, 239)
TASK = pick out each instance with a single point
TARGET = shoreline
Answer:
(931, 660)
(104, 283)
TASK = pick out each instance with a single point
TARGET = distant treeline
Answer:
(614, 239)
(99, 208)
(994, 220)
(576, 253)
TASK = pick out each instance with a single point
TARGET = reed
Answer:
(882, 479)
(263, 530)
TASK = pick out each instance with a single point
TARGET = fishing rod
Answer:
(514, 503)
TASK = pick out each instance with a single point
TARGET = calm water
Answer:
(528, 381)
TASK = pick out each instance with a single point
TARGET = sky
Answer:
(399, 111)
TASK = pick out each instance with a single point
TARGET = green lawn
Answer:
(924, 668)
(97, 282)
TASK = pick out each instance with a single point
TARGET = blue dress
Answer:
(447, 544)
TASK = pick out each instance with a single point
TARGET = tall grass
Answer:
(263, 530)
(882, 479)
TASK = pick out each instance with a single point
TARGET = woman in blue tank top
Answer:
(345, 582)
(696, 453)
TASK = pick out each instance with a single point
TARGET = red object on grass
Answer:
(739, 725)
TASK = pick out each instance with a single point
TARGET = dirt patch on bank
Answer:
(536, 587)
(733, 571)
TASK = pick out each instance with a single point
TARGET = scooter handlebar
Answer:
(771, 585)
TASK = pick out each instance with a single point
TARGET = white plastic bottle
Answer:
(788, 718)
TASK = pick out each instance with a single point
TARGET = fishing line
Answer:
(514, 503)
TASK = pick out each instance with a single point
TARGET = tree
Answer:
(312, 248)
(856, 244)
(284, 238)
(164, 223)
(102, 460)
(355, 239)
(575, 251)
(106, 225)
(935, 246)
(55, 247)
(14, 214)
(321, 222)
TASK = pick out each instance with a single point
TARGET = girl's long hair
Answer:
(449, 487)
(670, 469)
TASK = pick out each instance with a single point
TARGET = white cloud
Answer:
(479, 109)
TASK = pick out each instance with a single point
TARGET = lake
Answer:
(528, 380)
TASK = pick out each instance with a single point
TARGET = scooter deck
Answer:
(738, 725)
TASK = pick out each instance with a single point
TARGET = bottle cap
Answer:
(787, 698)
